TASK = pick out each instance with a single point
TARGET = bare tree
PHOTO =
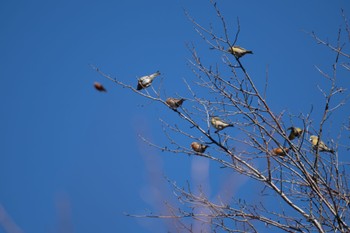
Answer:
(307, 178)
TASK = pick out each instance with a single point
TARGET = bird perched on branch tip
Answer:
(146, 81)
(239, 51)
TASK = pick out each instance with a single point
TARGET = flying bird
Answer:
(279, 151)
(295, 132)
(98, 86)
(146, 81)
(239, 51)
(321, 145)
(198, 147)
(219, 124)
(174, 103)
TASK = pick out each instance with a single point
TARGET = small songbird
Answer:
(198, 147)
(219, 124)
(98, 86)
(321, 145)
(239, 51)
(146, 81)
(279, 151)
(295, 132)
(174, 103)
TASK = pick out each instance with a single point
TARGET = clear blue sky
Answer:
(71, 157)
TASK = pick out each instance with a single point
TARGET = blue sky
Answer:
(71, 156)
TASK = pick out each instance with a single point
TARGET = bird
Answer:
(146, 81)
(219, 124)
(279, 151)
(174, 103)
(198, 147)
(321, 145)
(98, 86)
(295, 132)
(239, 51)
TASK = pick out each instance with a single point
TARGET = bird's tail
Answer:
(157, 73)
(331, 151)
(152, 76)
(181, 101)
(249, 51)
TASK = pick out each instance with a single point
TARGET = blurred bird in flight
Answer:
(98, 86)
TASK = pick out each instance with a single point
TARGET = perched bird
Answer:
(239, 51)
(219, 124)
(279, 151)
(295, 132)
(146, 81)
(321, 146)
(98, 86)
(198, 147)
(174, 103)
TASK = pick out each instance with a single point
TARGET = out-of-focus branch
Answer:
(7, 223)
